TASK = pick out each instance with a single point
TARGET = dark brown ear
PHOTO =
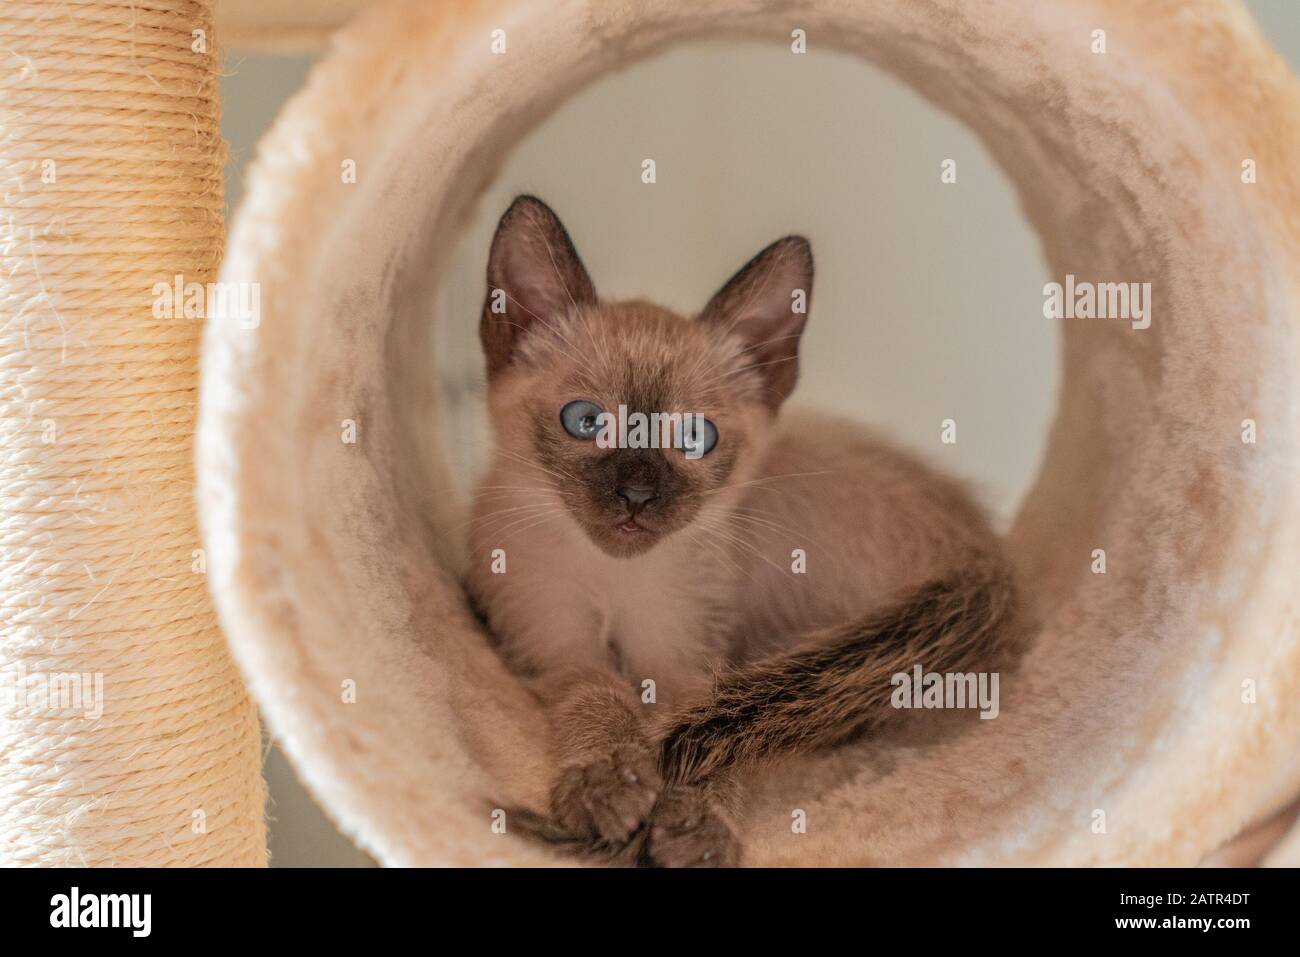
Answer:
(534, 275)
(766, 304)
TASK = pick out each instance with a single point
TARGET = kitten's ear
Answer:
(766, 304)
(534, 275)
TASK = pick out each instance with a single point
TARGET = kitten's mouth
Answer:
(626, 535)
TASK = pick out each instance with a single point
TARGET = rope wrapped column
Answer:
(126, 735)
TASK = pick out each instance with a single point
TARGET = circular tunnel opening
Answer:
(917, 318)
(326, 567)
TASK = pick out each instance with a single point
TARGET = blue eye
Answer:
(580, 418)
(699, 436)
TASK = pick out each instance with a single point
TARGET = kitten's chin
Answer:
(621, 538)
(619, 542)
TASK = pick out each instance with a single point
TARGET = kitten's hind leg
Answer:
(609, 776)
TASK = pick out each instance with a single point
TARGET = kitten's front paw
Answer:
(609, 798)
(687, 830)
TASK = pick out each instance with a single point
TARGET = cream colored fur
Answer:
(326, 570)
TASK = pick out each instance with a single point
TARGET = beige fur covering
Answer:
(325, 556)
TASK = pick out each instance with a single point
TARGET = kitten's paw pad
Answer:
(607, 799)
(687, 831)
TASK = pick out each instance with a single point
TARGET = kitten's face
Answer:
(569, 394)
(576, 385)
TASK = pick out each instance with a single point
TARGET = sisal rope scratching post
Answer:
(111, 159)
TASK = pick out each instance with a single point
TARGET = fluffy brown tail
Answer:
(842, 684)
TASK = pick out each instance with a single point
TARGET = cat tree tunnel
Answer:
(1157, 714)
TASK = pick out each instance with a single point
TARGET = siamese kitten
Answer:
(744, 592)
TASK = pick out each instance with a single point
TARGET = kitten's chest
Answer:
(658, 620)
(659, 617)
